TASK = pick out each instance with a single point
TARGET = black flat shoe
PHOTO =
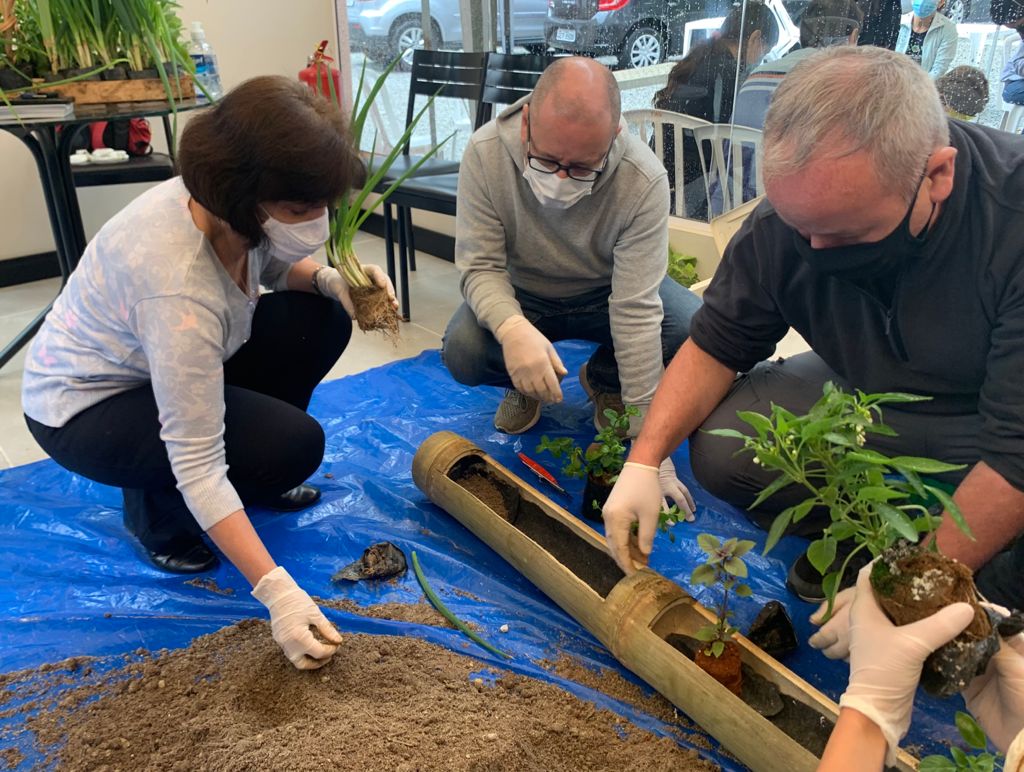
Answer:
(191, 560)
(299, 497)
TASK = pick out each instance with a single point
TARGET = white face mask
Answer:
(554, 191)
(293, 241)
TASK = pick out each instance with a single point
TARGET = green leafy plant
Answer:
(95, 35)
(682, 268)
(871, 498)
(351, 211)
(667, 519)
(724, 568)
(604, 458)
(959, 760)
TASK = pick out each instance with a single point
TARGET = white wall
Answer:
(250, 37)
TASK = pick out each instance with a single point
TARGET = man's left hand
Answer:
(672, 488)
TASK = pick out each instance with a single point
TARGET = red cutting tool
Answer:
(542, 473)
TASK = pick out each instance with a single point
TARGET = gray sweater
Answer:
(616, 237)
(150, 302)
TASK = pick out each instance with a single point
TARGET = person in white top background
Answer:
(163, 371)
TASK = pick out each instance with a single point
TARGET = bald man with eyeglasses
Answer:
(562, 233)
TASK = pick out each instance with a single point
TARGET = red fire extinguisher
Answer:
(315, 74)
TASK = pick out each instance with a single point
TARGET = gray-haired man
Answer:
(891, 241)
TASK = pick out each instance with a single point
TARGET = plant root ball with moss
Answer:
(912, 583)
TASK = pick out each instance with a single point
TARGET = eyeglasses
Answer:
(551, 166)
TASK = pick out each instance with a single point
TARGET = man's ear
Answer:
(754, 39)
(941, 167)
(524, 125)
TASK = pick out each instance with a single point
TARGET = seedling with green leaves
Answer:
(871, 498)
(959, 760)
(724, 567)
(604, 458)
(682, 268)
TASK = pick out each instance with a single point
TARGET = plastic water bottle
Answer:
(207, 74)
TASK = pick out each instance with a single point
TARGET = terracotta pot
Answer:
(596, 491)
(726, 669)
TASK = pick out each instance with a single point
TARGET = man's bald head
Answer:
(578, 88)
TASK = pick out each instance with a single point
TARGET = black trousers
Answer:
(796, 384)
(271, 443)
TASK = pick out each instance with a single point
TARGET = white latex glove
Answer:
(635, 498)
(531, 360)
(996, 697)
(672, 488)
(292, 613)
(1015, 755)
(833, 639)
(330, 283)
(886, 660)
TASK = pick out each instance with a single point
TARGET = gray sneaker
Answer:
(517, 413)
(602, 400)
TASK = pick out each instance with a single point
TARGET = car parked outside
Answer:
(641, 33)
(384, 28)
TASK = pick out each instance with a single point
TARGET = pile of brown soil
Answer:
(415, 613)
(374, 311)
(911, 583)
(231, 701)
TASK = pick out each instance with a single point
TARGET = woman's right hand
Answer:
(996, 697)
(292, 613)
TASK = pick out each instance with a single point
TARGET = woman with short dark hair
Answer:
(162, 371)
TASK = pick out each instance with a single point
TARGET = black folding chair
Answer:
(509, 77)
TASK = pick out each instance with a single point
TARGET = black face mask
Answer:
(867, 261)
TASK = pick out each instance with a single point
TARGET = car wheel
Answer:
(957, 10)
(407, 35)
(644, 46)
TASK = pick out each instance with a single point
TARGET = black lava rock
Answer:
(773, 630)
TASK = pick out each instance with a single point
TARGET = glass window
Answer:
(714, 62)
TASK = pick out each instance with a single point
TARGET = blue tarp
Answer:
(72, 584)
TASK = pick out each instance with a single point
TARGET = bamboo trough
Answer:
(633, 616)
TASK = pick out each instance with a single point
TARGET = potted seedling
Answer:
(373, 308)
(878, 503)
(719, 656)
(600, 463)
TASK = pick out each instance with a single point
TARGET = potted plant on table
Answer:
(724, 567)
(878, 503)
(373, 307)
(64, 42)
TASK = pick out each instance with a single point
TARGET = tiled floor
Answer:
(434, 288)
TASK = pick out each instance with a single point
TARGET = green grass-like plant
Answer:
(351, 210)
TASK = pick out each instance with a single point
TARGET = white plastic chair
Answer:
(1013, 114)
(733, 150)
(651, 123)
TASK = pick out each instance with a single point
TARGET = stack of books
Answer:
(26, 108)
